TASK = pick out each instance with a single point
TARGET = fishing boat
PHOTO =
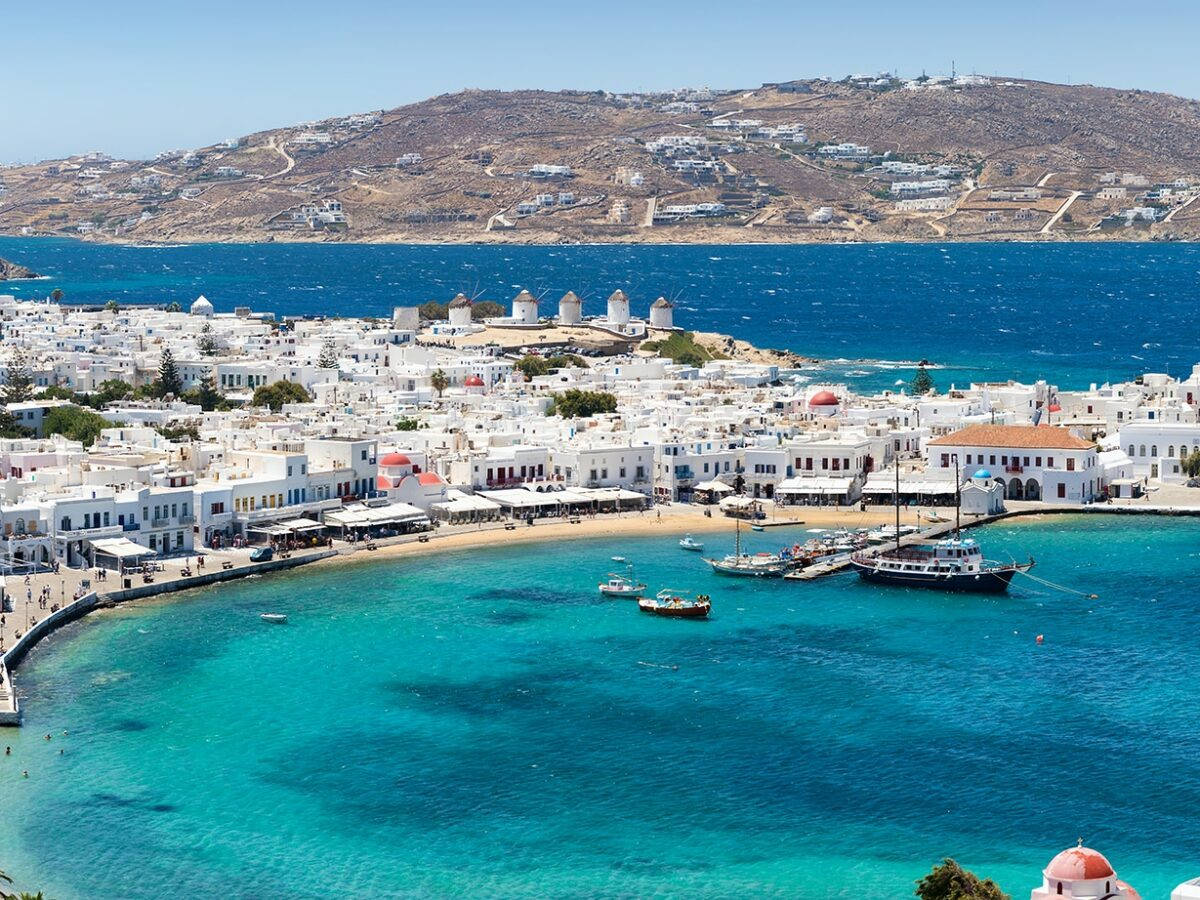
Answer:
(951, 564)
(676, 605)
(760, 565)
(687, 542)
(274, 618)
(625, 586)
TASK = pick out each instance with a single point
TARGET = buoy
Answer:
(1040, 638)
(1093, 596)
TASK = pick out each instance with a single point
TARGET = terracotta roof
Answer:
(1079, 864)
(1019, 437)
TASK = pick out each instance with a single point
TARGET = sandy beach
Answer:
(675, 520)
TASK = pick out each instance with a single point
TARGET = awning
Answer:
(885, 483)
(121, 548)
(365, 516)
(301, 524)
(819, 484)
(465, 504)
(516, 498)
(717, 487)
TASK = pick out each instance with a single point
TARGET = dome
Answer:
(1079, 864)
(982, 473)
(823, 398)
(383, 483)
(395, 459)
(201, 307)
(428, 478)
(472, 381)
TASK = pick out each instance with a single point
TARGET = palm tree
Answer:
(439, 381)
(56, 295)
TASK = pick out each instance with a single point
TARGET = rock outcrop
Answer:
(10, 271)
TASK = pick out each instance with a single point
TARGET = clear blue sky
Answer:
(132, 77)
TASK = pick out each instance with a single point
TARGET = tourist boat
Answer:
(951, 564)
(687, 542)
(274, 618)
(675, 605)
(760, 565)
(622, 586)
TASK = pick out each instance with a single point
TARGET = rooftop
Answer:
(1018, 437)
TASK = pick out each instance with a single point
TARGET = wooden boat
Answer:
(758, 565)
(274, 618)
(675, 605)
(952, 564)
(687, 542)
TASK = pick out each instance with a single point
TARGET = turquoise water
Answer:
(1070, 313)
(484, 724)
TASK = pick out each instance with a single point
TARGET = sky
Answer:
(132, 78)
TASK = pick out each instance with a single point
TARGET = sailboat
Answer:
(761, 565)
(952, 564)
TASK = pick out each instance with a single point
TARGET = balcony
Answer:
(90, 534)
(159, 523)
(1014, 468)
(187, 520)
(131, 526)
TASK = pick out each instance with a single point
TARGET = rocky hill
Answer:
(972, 159)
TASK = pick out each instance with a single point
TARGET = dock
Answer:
(841, 562)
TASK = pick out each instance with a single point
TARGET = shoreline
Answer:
(679, 519)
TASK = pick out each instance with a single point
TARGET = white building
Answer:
(1035, 462)
(1080, 873)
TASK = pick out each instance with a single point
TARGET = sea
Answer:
(484, 724)
(1073, 314)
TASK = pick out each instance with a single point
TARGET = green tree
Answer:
(407, 424)
(9, 427)
(922, 382)
(565, 361)
(75, 423)
(577, 404)
(485, 309)
(205, 395)
(169, 381)
(1191, 465)
(109, 391)
(950, 881)
(174, 306)
(329, 356)
(531, 366)
(274, 396)
(112, 306)
(439, 381)
(433, 311)
(206, 344)
(56, 295)
(18, 379)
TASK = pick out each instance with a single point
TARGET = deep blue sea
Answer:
(483, 724)
(1070, 313)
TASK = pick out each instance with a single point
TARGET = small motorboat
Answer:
(687, 542)
(675, 605)
(756, 527)
(622, 586)
(274, 618)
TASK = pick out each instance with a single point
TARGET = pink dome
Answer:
(383, 483)
(395, 459)
(1079, 864)
(473, 381)
(823, 398)
(428, 478)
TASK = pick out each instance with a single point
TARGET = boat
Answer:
(933, 517)
(756, 527)
(761, 565)
(687, 542)
(676, 605)
(951, 564)
(622, 586)
(274, 618)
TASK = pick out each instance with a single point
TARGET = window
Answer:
(364, 454)
(1070, 465)
(1062, 492)
(106, 519)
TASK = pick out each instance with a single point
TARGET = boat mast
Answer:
(897, 498)
(737, 538)
(957, 498)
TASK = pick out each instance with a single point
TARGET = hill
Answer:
(873, 159)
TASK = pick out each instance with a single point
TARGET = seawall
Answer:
(10, 709)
